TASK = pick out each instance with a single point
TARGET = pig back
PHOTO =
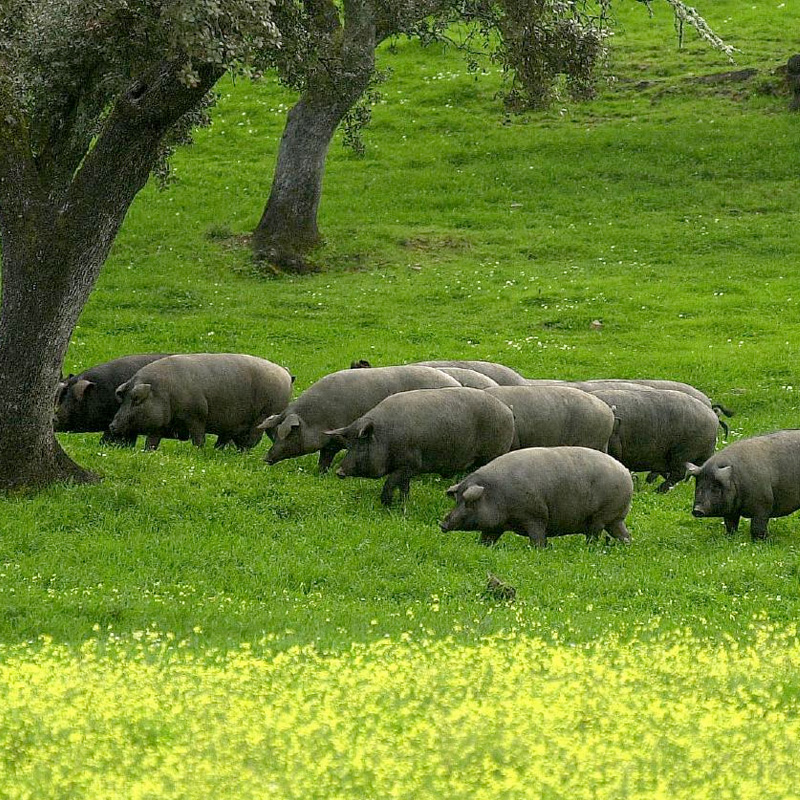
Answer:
(442, 430)
(231, 391)
(659, 428)
(338, 399)
(552, 415)
(564, 485)
(500, 373)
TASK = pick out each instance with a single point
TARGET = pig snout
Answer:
(698, 511)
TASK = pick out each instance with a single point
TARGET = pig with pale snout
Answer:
(757, 478)
(540, 492)
(227, 394)
(441, 431)
(87, 402)
(335, 401)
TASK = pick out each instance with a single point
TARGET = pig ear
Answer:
(452, 491)
(120, 391)
(140, 392)
(617, 420)
(693, 469)
(339, 434)
(291, 422)
(81, 387)
(366, 430)
(270, 422)
(725, 474)
(473, 493)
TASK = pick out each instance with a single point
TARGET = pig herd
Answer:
(549, 457)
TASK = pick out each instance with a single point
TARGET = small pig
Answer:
(222, 393)
(429, 430)
(469, 378)
(549, 416)
(334, 402)
(500, 373)
(544, 491)
(87, 402)
(758, 478)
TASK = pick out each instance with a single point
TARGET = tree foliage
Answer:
(65, 62)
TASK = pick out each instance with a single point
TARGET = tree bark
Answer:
(288, 229)
(53, 252)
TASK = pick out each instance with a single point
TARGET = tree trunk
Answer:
(288, 228)
(54, 244)
(40, 307)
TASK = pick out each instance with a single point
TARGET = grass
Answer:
(666, 209)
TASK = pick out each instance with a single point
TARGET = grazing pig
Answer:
(469, 378)
(222, 393)
(439, 430)
(658, 430)
(758, 478)
(335, 401)
(501, 374)
(544, 491)
(87, 402)
(549, 416)
(676, 386)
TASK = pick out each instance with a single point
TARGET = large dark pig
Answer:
(658, 430)
(222, 393)
(549, 416)
(335, 401)
(440, 430)
(544, 491)
(469, 378)
(757, 478)
(500, 373)
(87, 402)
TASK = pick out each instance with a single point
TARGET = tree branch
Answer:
(126, 150)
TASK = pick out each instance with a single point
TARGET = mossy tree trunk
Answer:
(55, 240)
(288, 228)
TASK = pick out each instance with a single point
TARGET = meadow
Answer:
(200, 624)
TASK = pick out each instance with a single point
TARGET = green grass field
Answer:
(202, 625)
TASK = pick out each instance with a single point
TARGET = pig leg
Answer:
(399, 479)
(152, 442)
(619, 531)
(732, 524)
(536, 531)
(758, 527)
(488, 538)
(326, 456)
(221, 442)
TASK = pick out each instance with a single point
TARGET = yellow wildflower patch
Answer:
(507, 717)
